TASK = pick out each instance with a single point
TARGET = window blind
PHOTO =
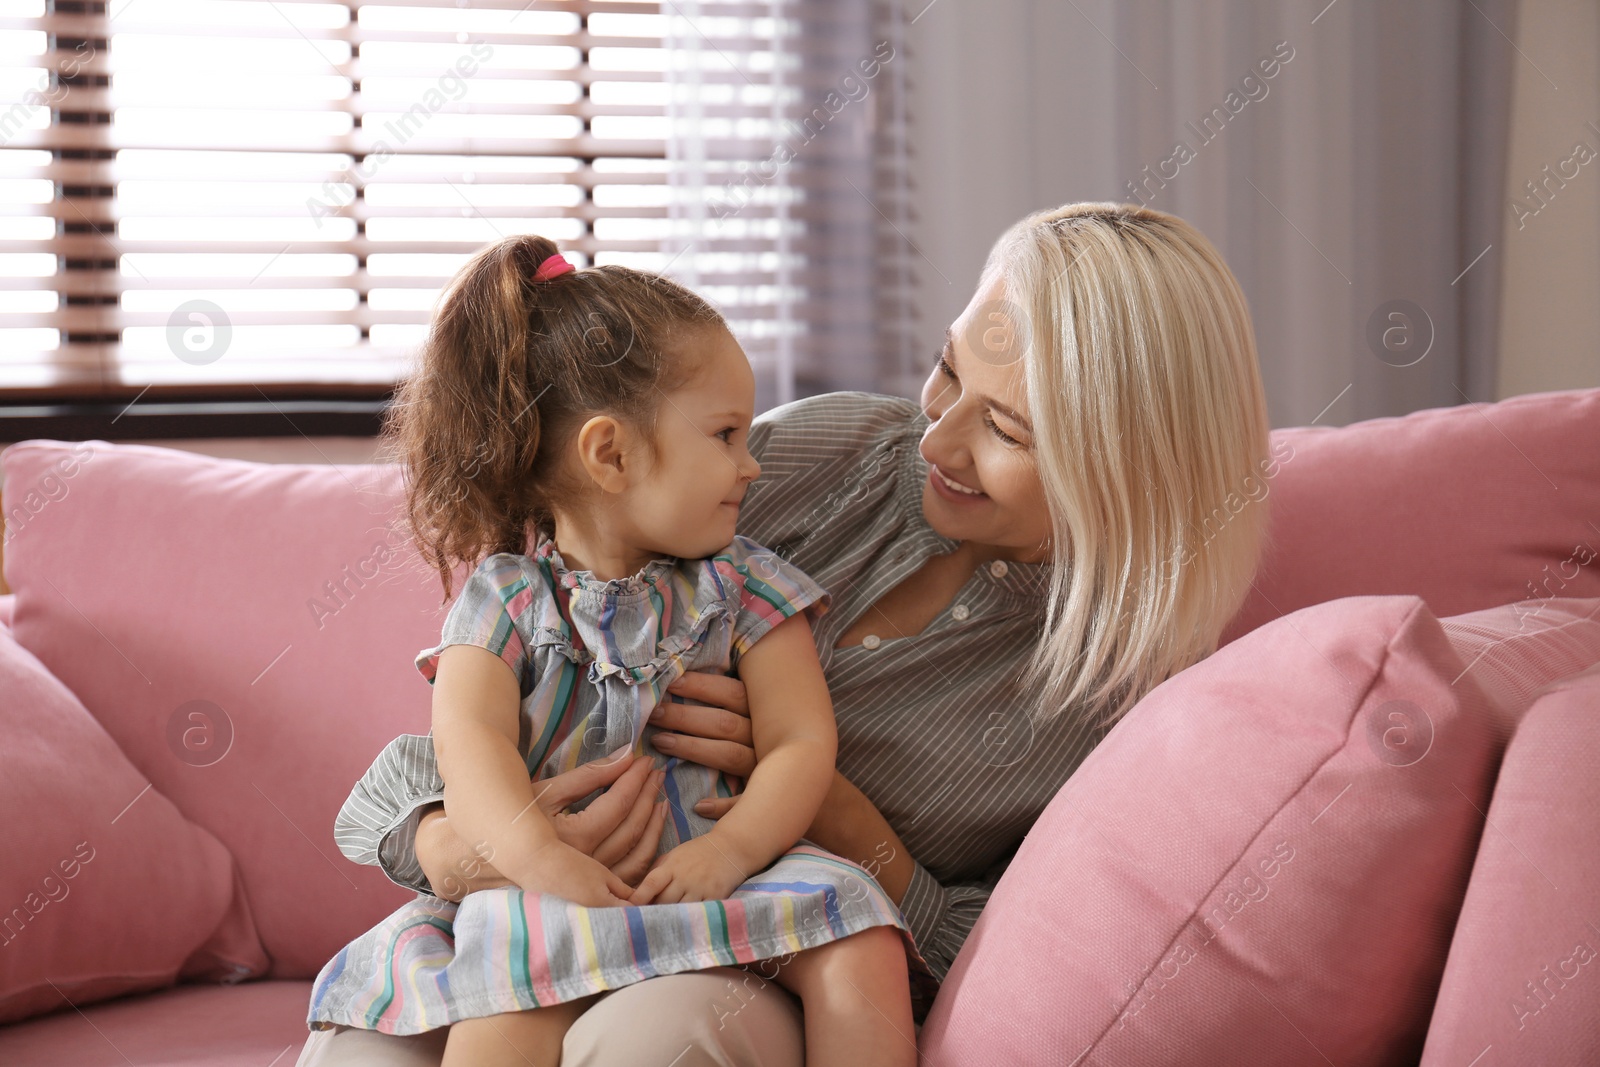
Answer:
(216, 196)
(790, 200)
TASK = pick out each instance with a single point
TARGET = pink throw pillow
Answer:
(1515, 650)
(245, 632)
(1268, 853)
(107, 888)
(1467, 507)
(1524, 970)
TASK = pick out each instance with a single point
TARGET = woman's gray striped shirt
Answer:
(931, 728)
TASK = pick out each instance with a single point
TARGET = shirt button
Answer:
(998, 568)
(960, 612)
(871, 641)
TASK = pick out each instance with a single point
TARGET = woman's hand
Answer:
(714, 729)
(621, 828)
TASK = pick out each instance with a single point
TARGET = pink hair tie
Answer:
(551, 267)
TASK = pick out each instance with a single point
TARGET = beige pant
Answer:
(720, 1017)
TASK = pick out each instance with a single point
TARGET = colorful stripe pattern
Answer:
(593, 658)
(432, 963)
(934, 728)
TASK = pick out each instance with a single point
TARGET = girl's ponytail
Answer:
(514, 360)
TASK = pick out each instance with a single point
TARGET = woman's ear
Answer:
(605, 446)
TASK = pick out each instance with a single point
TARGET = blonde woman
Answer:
(1055, 529)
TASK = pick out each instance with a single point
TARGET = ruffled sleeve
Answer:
(771, 590)
(486, 612)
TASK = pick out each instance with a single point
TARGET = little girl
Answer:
(606, 410)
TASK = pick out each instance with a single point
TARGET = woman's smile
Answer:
(951, 489)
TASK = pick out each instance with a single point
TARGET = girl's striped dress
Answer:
(593, 658)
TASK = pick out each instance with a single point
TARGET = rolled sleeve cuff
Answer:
(397, 848)
(924, 906)
(378, 822)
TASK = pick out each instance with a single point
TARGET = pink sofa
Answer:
(200, 657)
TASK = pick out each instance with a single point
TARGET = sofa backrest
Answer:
(1467, 507)
(280, 605)
(246, 633)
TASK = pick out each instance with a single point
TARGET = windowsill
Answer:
(143, 420)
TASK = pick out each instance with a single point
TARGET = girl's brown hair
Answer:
(510, 369)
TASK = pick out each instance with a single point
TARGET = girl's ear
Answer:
(605, 445)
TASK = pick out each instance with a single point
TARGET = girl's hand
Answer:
(849, 825)
(695, 870)
(717, 733)
(621, 828)
(714, 730)
(563, 871)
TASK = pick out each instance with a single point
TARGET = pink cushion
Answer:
(108, 889)
(1467, 507)
(1514, 650)
(245, 632)
(1268, 853)
(257, 1024)
(1524, 971)
(5, 609)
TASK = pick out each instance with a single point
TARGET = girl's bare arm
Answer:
(795, 742)
(714, 729)
(621, 828)
(487, 792)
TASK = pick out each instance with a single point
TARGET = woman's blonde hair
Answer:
(1151, 438)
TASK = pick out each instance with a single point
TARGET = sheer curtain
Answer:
(787, 172)
(1358, 191)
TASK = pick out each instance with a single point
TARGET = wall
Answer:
(988, 82)
(1550, 303)
(1019, 105)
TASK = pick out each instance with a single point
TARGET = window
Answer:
(241, 198)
